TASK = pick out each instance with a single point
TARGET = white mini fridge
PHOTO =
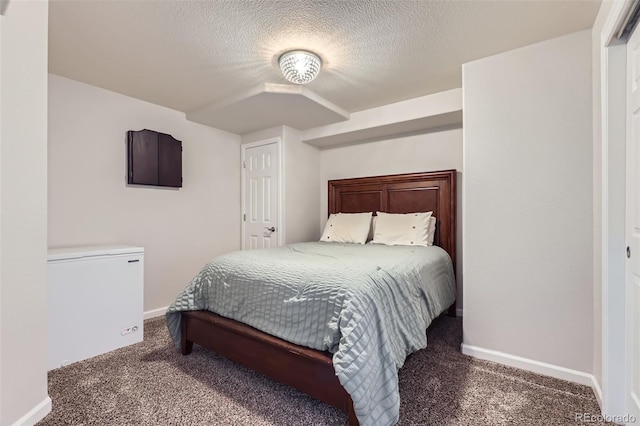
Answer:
(95, 301)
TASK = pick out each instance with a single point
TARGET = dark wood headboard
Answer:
(406, 193)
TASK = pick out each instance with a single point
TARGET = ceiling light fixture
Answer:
(300, 66)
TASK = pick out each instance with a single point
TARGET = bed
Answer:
(307, 366)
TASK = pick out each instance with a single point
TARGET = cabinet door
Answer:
(169, 161)
(143, 157)
(154, 159)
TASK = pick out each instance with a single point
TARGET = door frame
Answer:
(613, 71)
(280, 220)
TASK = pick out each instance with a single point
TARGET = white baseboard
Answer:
(459, 312)
(155, 313)
(530, 365)
(36, 414)
(596, 390)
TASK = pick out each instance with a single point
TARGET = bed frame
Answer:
(309, 370)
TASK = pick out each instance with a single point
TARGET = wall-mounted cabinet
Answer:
(154, 159)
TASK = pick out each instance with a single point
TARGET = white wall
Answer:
(302, 174)
(420, 153)
(260, 135)
(23, 213)
(90, 202)
(528, 212)
(597, 203)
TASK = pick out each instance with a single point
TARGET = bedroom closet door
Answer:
(261, 194)
(632, 291)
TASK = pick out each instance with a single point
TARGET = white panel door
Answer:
(261, 168)
(632, 291)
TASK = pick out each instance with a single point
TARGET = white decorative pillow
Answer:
(410, 229)
(431, 231)
(347, 228)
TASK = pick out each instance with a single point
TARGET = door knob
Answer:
(272, 229)
(628, 253)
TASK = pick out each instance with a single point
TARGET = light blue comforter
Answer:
(369, 305)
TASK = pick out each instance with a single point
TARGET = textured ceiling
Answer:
(185, 54)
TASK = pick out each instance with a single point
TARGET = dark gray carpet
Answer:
(152, 384)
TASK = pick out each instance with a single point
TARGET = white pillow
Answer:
(347, 228)
(410, 229)
(432, 230)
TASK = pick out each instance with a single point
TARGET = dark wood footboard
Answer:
(308, 370)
